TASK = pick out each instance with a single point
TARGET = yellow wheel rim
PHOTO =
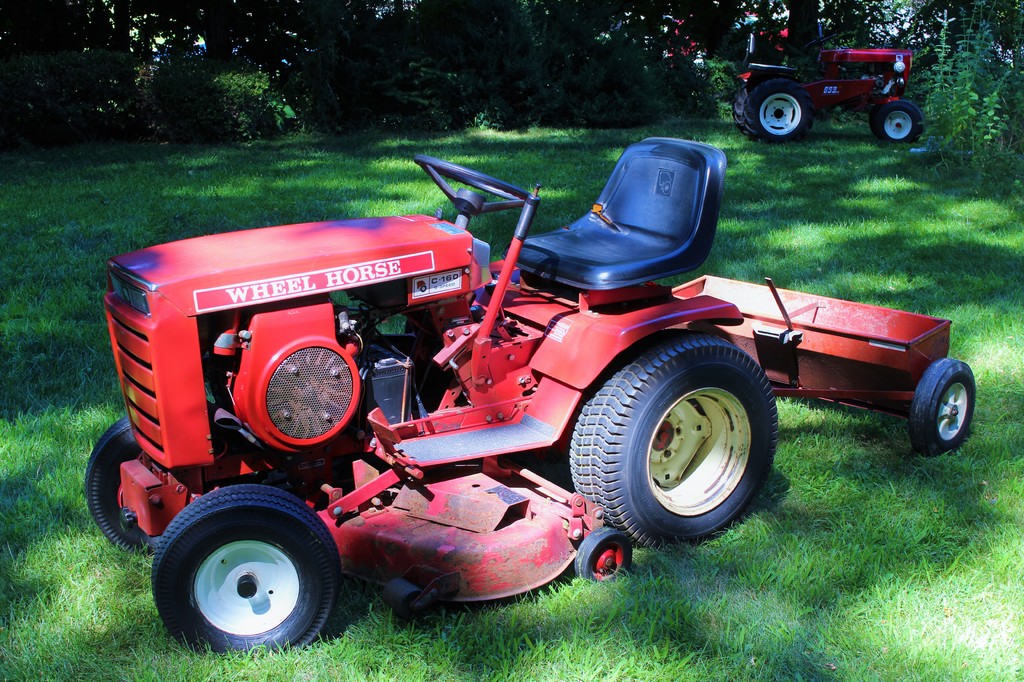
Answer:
(699, 451)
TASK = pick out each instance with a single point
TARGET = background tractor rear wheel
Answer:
(899, 121)
(739, 106)
(103, 485)
(942, 408)
(676, 444)
(778, 110)
(245, 566)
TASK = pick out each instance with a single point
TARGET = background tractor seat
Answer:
(655, 218)
(773, 70)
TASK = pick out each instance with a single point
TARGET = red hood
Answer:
(233, 269)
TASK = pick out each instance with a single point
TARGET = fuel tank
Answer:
(433, 257)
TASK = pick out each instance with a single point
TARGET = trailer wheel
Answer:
(897, 121)
(778, 110)
(603, 554)
(245, 566)
(103, 486)
(676, 444)
(942, 408)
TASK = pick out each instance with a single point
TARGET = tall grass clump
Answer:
(976, 91)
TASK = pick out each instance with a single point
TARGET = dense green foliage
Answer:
(238, 69)
(858, 561)
(976, 92)
(80, 96)
(68, 97)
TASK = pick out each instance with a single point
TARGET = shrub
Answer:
(974, 95)
(484, 73)
(200, 100)
(593, 73)
(68, 97)
(73, 97)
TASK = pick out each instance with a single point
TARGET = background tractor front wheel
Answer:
(245, 566)
(899, 121)
(676, 444)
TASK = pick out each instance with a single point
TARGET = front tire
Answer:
(677, 443)
(245, 566)
(103, 486)
(778, 110)
(898, 121)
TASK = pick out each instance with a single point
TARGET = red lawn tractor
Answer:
(773, 106)
(365, 397)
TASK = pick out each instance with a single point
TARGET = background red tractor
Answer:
(772, 105)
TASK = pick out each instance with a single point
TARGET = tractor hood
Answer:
(235, 269)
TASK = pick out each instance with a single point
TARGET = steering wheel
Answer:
(464, 200)
(820, 40)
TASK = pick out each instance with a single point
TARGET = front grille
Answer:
(138, 381)
(310, 393)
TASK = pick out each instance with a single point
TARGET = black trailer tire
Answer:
(942, 408)
(246, 566)
(603, 555)
(778, 110)
(103, 486)
(678, 442)
(898, 121)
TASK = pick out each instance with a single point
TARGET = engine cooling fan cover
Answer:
(311, 393)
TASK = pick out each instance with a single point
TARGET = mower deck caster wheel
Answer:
(942, 408)
(399, 594)
(103, 494)
(603, 555)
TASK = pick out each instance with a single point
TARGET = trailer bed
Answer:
(818, 347)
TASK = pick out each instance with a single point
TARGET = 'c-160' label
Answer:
(437, 283)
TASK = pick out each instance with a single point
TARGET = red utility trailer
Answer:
(862, 355)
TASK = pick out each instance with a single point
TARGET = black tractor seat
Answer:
(773, 70)
(655, 218)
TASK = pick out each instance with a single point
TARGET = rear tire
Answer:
(739, 106)
(678, 442)
(778, 110)
(246, 566)
(898, 121)
(103, 486)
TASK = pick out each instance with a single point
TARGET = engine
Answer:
(296, 390)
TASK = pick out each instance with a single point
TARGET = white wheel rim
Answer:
(952, 411)
(780, 114)
(897, 125)
(263, 573)
(699, 452)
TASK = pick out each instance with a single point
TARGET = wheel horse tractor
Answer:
(363, 398)
(773, 106)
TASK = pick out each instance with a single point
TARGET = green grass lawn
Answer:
(859, 560)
